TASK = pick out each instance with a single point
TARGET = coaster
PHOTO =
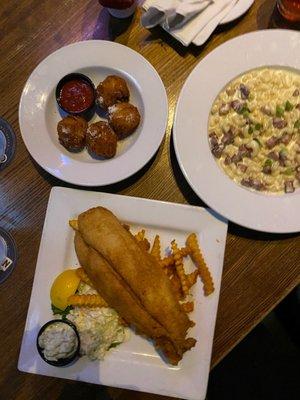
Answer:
(7, 143)
(8, 255)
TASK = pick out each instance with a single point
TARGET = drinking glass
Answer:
(289, 9)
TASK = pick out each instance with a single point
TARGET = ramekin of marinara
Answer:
(76, 94)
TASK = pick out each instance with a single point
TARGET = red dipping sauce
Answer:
(76, 96)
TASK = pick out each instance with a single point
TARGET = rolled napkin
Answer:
(205, 33)
(194, 23)
(157, 12)
(185, 10)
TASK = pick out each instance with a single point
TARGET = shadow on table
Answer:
(113, 188)
(192, 198)
(107, 27)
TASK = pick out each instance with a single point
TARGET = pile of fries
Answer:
(172, 264)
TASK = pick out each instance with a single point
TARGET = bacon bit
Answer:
(224, 109)
(267, 169)
(213, 138)
(274, 156)
(288, 187)
(242, 167)
(218, 150)
(227, 138)
(237, 105)
(296, 93)
(244, 91)
(266, 110)
(285, 138)
(227, 160)
(279, 123)
(270, 143)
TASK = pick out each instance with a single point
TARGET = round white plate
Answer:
(39, 114)
(238, 10)
(263, 212)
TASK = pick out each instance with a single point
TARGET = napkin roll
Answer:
(157, 12)
(186, 20)
(185, 11)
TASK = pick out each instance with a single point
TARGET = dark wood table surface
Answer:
(259, 269)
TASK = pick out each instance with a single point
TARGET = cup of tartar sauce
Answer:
(58, 342)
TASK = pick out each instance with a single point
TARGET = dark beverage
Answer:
(289, 9)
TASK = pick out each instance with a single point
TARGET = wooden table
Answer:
(259, 269)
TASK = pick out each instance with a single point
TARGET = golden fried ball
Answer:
(124, 118)
(101, 140)
(72, 132)
(112, 90)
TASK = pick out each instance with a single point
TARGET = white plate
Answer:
(238, 10)
(135, 364)
(38, 112)
(269, 213)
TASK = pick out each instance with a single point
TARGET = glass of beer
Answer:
(289, 9)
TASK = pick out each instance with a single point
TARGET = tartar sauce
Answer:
(58, 341)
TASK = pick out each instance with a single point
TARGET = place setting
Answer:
(127, 286)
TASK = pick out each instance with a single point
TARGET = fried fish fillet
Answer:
(132, 282)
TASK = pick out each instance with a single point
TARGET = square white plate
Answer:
(135, 364)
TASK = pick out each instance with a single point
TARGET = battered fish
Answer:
(132, 282)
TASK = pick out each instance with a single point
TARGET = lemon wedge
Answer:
(64, 286)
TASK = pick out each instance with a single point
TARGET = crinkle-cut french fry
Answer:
(192, 278)
(197, 257)
(175, 281)
(83, 276)
(155, 251)
(144, 244)
(188, 307)
(167, 261)
(179, 267)
(140, 235)
(73, 224)
(142, 240)
(185, 251)
(87, 300)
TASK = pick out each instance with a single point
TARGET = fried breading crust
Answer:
(132, 281)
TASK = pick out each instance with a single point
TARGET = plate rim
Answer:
(245, 8)
(164, 104)
(218, 224)
(202, 195)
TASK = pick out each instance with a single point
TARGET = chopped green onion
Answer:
(257, 141)
(268, 162)
(250, 129)
(279, 111)
(283, 152)
(288, 171)
(258, 127)
(288, 106)
(244, 111)
(297, 124)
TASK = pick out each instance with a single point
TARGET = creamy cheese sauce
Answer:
(58, 341)
(254, 130)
